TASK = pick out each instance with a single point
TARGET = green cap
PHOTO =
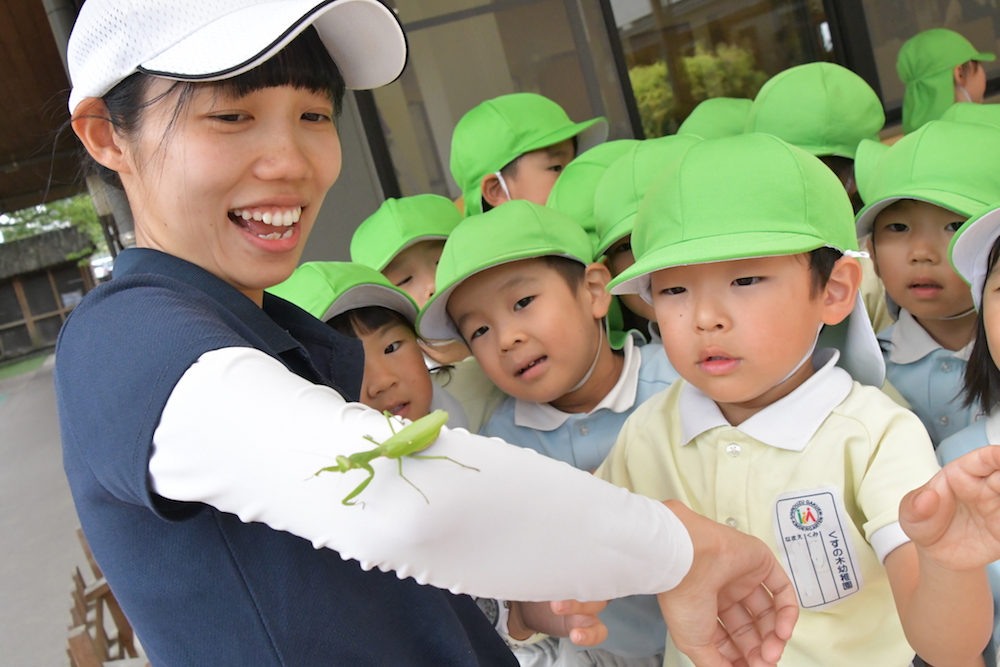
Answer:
(971, 247)
(822, 108)
(327, 289)
(626, 181)
(400, 223)
(717, 117)
(492, 135)
(513, 231)
(925, 65)
(573, 193)
(970, 112)
(952, 165)
(750, 196)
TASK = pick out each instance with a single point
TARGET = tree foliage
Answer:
(77, 211)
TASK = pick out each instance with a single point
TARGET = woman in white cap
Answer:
(195, 408)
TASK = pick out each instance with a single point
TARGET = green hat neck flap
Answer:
(573, 193)
(743, 197)
(925, 66)
(400, 223)
(717, 117)
(822, 108)
(327, 289)
(623, 186)
(513, 231)
(952, 165)
(970, 112)
(493, 134)
(971, 247)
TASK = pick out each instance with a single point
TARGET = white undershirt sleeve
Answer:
(243, 434)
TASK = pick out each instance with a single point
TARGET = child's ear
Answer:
(493, 192)
(959, 75)
(92, 123)
(595, 281)
(841, 291)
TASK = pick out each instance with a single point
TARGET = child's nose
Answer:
(710, 316)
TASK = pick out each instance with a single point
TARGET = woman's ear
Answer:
(841, 291)
(595, 281)
(92, 123)
(493, 192)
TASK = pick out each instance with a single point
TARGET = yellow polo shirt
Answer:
(818, 476)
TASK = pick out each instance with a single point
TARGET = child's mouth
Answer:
(717, 364)
(925, 288)
(399, 410)
(270, 224)
(531, 365)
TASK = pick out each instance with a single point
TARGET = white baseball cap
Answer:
(209, 40)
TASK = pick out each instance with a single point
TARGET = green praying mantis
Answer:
(411, 439)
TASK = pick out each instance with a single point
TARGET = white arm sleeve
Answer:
(243, 434)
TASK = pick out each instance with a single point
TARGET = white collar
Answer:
(544, 417)
(788, 423)
(993, 428)
(910, 342)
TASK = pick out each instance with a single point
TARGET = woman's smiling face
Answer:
(232, 183)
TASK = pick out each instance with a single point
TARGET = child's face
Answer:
(991, 313)
(413, 270)
(201, 181)
(735, 329)
(537, 172)
(396, 378)
(533, 335)
(909, 245)
(618, 258)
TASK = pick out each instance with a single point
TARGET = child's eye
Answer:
(392, 347)
(523, 303)
(556, 168)
(952, 226)
(896, 227)
(673, 290)
(315, 117)
(478, 332)
(404, 281)
(743, 282)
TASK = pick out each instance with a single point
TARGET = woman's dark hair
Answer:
(304, 63)
(982, 377)
(369, 319)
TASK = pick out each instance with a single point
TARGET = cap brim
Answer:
(621, 229)
(384, 262)
(970, 251)
(363, 37)
(707, 250)
(362, 296)
(948, 200)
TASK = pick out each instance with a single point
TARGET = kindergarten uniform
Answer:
(928, 376)
(982, 433)
(818, 476)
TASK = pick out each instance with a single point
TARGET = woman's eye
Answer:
(392, 347)
(230, 117)
(478, 332)
(743, 282)
(671, 291)
(952, 227)
(523, 302)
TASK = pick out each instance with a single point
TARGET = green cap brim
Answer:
(956, 203)
(970, 250)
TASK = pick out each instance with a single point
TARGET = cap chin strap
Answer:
(503, 184)
(809, 354)
(597, 356)
(968, 98)
(856, 254)
(953, 317)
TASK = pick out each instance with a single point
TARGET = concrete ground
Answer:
(37, 525)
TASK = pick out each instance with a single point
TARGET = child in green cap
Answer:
(939, 67)
(919, 192)
(518, 284)
(403, 239)
(772, 429)
(514, 147)
(616, 202)
(974, 252)
(359, 302)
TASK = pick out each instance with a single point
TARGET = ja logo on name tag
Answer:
(820, 556)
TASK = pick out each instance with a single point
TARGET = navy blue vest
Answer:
(199, 586)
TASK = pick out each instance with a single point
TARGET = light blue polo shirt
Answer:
(981, 433)
(928, 376)
(635, 624)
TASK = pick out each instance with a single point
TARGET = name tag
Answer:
(818, 552)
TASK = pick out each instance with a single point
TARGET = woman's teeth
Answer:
(283, 218)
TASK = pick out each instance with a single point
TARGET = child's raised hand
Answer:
(568, 618)
(955, 518)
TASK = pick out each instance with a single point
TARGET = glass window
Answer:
(892, 22)
(10, 309)
(48, 329)
(69, 284)
(463, 52)
(680, 52)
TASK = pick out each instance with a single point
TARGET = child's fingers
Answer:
(569, 607)
(587, 630)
